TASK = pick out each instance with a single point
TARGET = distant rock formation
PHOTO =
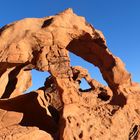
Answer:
(60, 110)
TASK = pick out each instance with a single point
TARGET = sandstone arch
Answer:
(43, 44)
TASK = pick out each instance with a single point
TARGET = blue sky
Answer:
(119, 20)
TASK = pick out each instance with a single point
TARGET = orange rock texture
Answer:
(60, 109)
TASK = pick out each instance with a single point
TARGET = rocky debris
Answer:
(60, 109)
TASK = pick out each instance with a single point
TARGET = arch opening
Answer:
(84, 86)
(38, 79)
(92, 70)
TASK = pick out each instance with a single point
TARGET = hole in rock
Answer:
(81, 135)
(84, 86)
(47, 22)
(38, 79)
(93, 71)
(134, 132)
(103, 96)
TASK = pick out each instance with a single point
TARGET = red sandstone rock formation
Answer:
(60, 109)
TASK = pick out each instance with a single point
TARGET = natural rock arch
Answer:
(43, 44)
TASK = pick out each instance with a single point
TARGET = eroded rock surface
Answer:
(60, 109)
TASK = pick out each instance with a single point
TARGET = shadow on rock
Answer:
(33, 113)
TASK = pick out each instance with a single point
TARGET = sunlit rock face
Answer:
(60, 109)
